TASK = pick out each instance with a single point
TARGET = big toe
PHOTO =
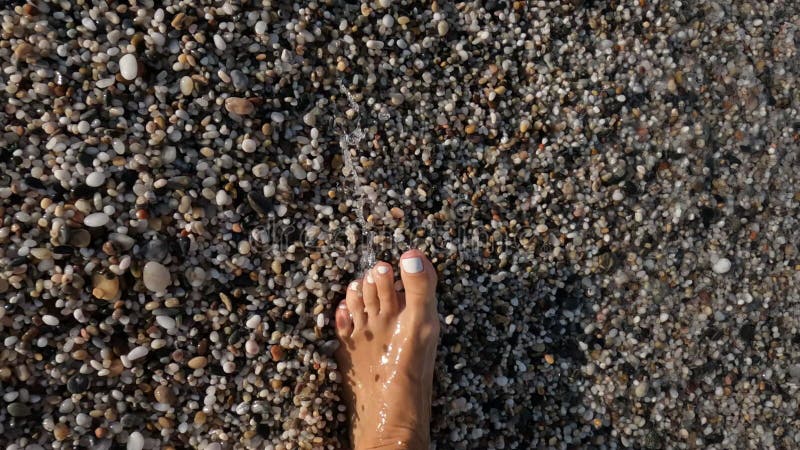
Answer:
(419, 280)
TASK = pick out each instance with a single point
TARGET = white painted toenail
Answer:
(342, 306)
(412, 265)
(370, 280)
(382, 269)
(354, 286)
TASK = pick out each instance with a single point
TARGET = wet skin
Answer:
(387, 354)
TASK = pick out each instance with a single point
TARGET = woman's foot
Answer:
(387, 354)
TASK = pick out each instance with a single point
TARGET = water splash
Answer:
(349, 144)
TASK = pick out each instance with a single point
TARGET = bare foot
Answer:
(387, 354)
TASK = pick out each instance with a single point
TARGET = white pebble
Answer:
(443, 27)
(249, 145)
(135, 441)
(261, 170)
(222, 198)
(723, 265)
(187, 85)
(50, 320)
(251, 347)
(277, 117)
(166, 322)
(96, 220)
(138, 352)
(89, 24)
(128, 67)
(156, 277)
(219, 42)
(298, 171)
(253, 321)
(95, 179)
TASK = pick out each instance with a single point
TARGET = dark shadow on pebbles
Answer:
(509, 370)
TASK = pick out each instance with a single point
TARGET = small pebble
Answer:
(138, 352)
(198, 362)
(249, 145)
(166, 322)
(17, 409)
(50, 320)
(95, 179)
(156, 277)
(251, 347)
(261, 170)
(96, 220)
(723, 265)
(443, 27)
(135, 441)
(239, 106)
(128, 67)
(186, 85)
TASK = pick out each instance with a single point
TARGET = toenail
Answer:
(370, 280)
(354, 286)
(343, 305)
(382, 269)
(412, 265)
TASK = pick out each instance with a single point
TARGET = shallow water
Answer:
(350, 143)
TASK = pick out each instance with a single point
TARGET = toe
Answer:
(344, 323)
(355, 304)
(384, 283)
(370, 290)
(419, 279)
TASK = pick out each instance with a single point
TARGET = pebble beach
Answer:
(609, 192)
